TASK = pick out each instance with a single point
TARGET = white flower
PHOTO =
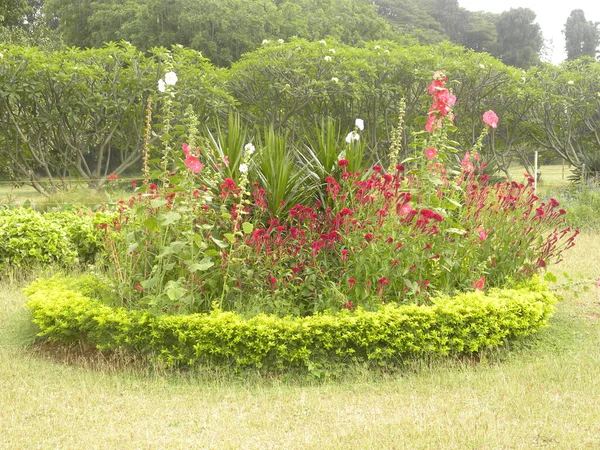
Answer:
(249, 148)
(377, 47)
(243, 168)
(332, 50)
(265, 41)
(127, 43)
(482, 66)
(1, 55)
(280, 41)
(335, 79)
(360, 124)
(161, 85)
(323, 42)
(327, 58)
(352, 136)
(570, 82)
(170, 78)
(386, 51)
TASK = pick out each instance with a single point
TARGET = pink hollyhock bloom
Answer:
(430, 153)
(479, 284)
(186, 148)
(226, 160)
(430, 125)
(490, 118)
(446, 97)
(193, 163)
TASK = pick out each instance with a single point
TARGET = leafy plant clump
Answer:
(29, 238)
(70, 310)
(224, 223)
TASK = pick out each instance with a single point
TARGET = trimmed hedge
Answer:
(29, 238)
(69, 310)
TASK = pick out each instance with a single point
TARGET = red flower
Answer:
(382, 281)
(343, 162)
(344, 255)
(368, 237)
(478, 284)
(346, 212)
(482, 234)
(539, 212)
(377, 168)
(153, 187)
(351, 282)
(399, 167)
(430, 153)
(273, 281)
(113, 177)
(138, 287)
(349, 306)
(490, 118)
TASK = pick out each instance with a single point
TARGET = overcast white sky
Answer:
(551, 15)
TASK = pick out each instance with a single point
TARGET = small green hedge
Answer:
(69, 310)
(29, 238)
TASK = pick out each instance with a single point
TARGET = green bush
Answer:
(29, 238)
(70, 310)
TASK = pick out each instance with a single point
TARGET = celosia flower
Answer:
(482, 234)
(369, 237)
(343, 162)
(360, 124)
(113, 177)
(430, 153)
(377, 168)
(351, 282)
(170, 78)
(193, 164)
(490, 118)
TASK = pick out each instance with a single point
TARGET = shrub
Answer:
(68, 310)
(29, 238)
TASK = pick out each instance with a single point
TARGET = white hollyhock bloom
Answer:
(170, 78)
(352, 136)
(249, 148)
(360, 124)
(161, 85)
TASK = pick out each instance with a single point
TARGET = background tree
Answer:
(12, 12)
(520, 40)
(582, 37)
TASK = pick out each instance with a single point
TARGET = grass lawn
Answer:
(542, 392)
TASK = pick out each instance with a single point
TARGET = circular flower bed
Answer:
(68, 310)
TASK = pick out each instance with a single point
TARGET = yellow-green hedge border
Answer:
(65, 311)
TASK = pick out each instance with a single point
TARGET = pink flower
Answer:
(430, 153)
(186, 148)
(490, 118)
(193, 163)
(343, 162)
(598, 283)
(226, 160)
(351, 282)
(482, 234)
(478, 284)
(430, 125)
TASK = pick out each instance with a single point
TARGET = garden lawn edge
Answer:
(66, 310)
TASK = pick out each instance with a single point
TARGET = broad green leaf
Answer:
(201, 266)
(247, 227)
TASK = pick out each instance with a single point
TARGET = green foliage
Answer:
(519, 38)
(29, 238)
(69, 310)
(582, 37)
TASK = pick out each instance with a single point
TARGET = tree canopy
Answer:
(582, 37)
